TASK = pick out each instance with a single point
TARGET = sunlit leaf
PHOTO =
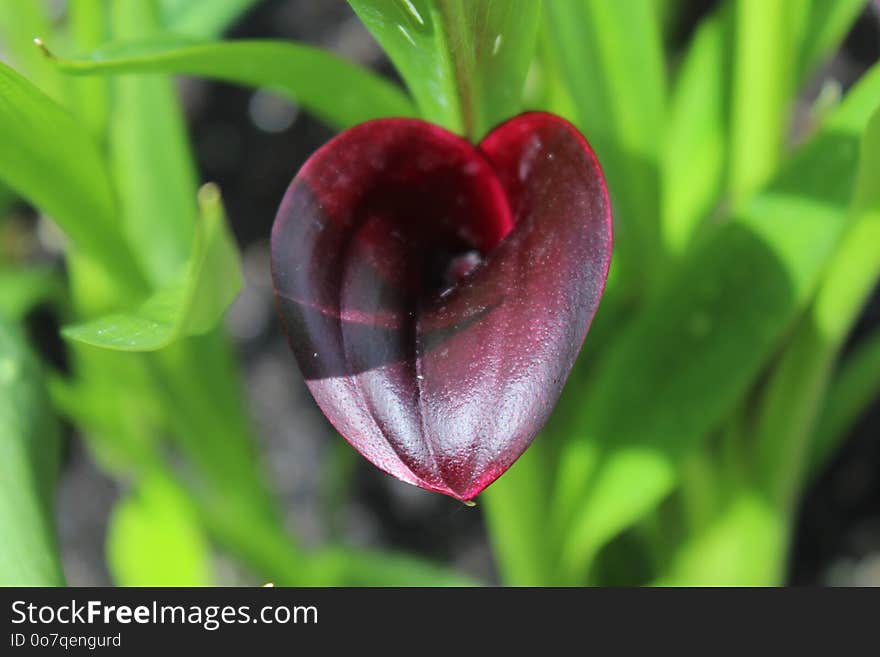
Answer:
(610, 56)
(465, 62)
(89, 28)
(696, 141)
(190, 305)
(298, 72)
(744, 545)
(764, 52)
(150, 157)
(348, 567)
(49, 158)
(154, 538)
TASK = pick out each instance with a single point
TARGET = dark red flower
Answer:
(436, 293)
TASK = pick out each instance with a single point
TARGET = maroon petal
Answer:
(436, 294)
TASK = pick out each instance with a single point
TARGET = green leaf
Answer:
(190, 305)
(465, 62)
(89, 29)
(692, 353)
(50, 159)
(850, 394)
(695, 153)
(826, 25)
(764, 53)
(149, 151)
(29, 453)
(515, 511)
(203, 18)
(154, 538)
(610, 54)
(744, 545)
(22, 21)
(794, 395)
(298, 72)
(21, 289)
(339, 566)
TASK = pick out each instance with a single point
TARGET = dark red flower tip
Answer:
(436, 293)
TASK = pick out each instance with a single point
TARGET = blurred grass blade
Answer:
(154, 538)
(152, 165)
(50, 159)
(203, 18)
(339, 566)
(850, 394)
(89, 29)
(744, 545)
(29, 454)
(666, 383)
(7, 198)
(24, 288)
(795, 392)
(764, 56)
(610, 54)
(515, 512)
(826, 26)
(22, 21)
(191, 305)
(298, 72)
(696, 141)
(465, 62)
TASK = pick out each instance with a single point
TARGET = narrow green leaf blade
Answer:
(203, 18)
(465, 62)
(696, 140)
(50, 159)
(826, 25)
(610, 54)
(764, 54)
(29, 453)
(89, 29)
(152, 165)
(189, 305)
(298, 72)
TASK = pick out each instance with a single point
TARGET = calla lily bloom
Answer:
(436, 293)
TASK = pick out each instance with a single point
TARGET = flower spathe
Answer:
(436, 293)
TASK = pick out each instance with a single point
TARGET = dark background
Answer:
(251, 144)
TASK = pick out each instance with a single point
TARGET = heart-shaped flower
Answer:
(436, 293)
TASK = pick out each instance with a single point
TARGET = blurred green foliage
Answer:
(711, 388)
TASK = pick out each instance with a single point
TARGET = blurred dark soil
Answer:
(252, 144)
